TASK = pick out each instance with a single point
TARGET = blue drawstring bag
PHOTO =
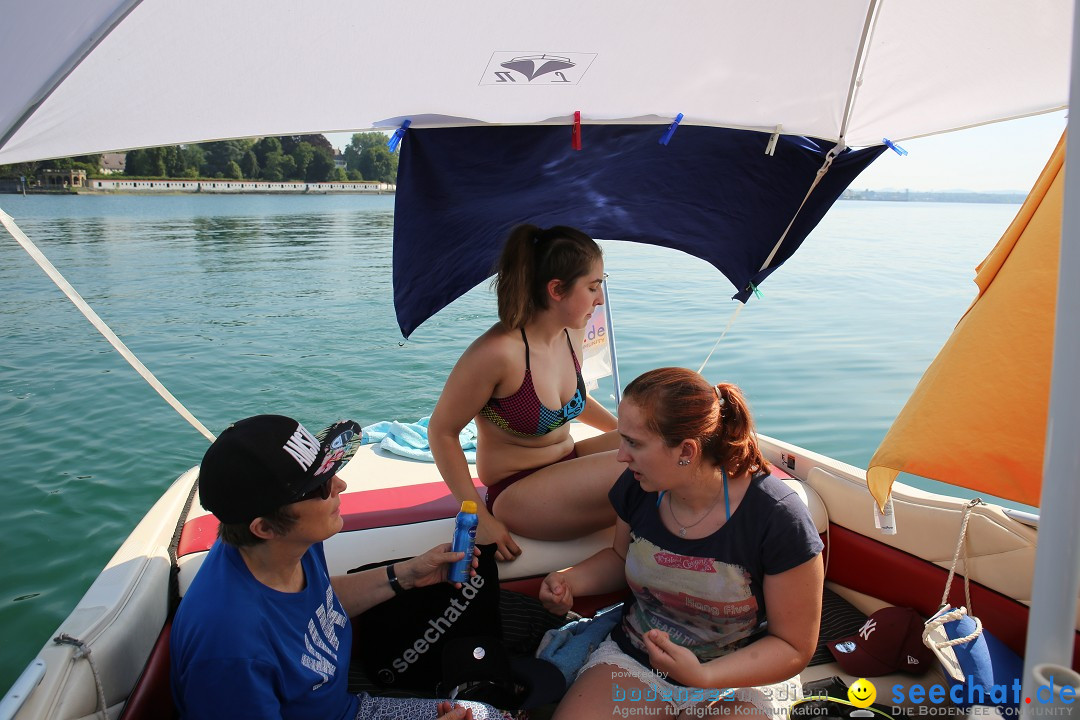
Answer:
(568, 647)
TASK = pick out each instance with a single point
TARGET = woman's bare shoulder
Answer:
(496, 349)
(496, 340)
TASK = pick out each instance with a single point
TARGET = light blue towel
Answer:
(411, 439)
(568, 647)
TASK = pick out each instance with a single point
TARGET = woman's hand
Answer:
(448, 711)
(432, 567)
(678, 662)
(556, 595)
(490, 530)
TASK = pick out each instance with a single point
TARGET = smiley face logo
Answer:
(862, 693)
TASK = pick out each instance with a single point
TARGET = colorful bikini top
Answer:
(523, 414)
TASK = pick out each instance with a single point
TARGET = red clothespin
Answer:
(575, 137)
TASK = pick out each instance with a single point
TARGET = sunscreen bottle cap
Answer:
(468, 506)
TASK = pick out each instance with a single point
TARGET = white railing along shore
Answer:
(233, 186)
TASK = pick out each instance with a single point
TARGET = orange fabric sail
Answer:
(977, 418)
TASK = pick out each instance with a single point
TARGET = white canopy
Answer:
(85, 76)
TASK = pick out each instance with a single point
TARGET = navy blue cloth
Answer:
(711, 192)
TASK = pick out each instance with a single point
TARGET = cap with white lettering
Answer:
(889, 641)
(263, 462)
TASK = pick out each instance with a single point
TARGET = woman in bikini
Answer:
(522, 382)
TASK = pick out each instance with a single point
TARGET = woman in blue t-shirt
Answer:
(722, 559)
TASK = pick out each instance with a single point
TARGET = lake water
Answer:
(253, 304)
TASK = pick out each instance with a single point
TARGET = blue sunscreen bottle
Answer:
(464, 540)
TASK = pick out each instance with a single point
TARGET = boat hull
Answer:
(396, 507)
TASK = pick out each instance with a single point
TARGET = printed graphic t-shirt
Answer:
(707, 593)
(241, 649)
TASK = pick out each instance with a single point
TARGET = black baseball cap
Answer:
(260, 463)
(480, 668)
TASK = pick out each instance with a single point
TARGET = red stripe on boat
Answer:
(874, 568)
(385, 507)
(365, 510)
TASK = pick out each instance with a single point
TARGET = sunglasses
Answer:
(320, 491)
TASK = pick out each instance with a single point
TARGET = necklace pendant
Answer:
(682, 532)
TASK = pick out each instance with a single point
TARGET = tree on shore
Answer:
(250, 164)
(147, 162)
(321, 167)
(303, 158)
(221, 155)
(368, 155)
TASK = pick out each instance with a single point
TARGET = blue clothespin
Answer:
(757, 293)
(395, 139)
(894, 147)
(666, 137)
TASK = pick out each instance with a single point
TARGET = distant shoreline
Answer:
(217, 186)
(957, 196)
(241, 187)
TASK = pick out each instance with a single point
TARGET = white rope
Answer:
(869, 25)
(941, 617)
(961, 543)
(82, 650)
(829, 157)
(66, 288)
(717, 343)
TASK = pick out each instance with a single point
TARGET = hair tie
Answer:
(719, 397)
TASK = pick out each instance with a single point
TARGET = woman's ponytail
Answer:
(679, 404)
(531, 258)
(734, 446)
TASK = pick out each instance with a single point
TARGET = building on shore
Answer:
(113, 163)
(63, 179)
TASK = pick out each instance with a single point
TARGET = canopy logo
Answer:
(532, 68)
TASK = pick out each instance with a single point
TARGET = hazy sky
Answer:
(1002, 156)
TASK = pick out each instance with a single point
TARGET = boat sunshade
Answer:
(711, 192)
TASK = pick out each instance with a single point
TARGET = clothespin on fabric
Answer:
(575, 136)
(894, 147)
(757, 293)
(666, 137)
(395, 139)
(771, 147)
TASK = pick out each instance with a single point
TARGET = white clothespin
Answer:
(771, 147)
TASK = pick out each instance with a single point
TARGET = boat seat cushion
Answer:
(151, 698)
(839, 619)
(813, 503)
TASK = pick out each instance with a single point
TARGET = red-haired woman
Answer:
(722, 559)
(522, 382)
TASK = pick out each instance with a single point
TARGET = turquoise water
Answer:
(250, 304)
